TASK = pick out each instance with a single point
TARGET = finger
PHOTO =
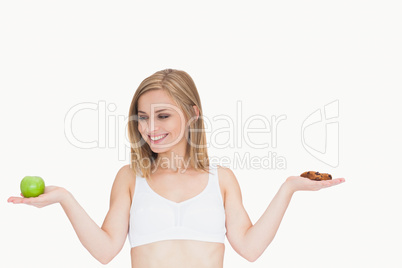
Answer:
(15, 200)
(337, 181)
(333, 182)
(11, 198)
(340, 180)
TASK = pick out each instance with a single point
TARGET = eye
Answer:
(161, 117)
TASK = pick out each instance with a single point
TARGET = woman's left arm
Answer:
(249, 240)
(261, 234)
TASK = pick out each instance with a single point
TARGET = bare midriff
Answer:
(178, 254)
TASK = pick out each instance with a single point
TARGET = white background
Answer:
(278, 58)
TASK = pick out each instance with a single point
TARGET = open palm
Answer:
(52, 194)
(298, 183)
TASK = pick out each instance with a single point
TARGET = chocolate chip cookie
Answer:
(316, 176)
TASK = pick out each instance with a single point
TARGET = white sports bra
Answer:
(155, 218)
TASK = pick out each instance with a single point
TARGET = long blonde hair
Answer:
(181, 88)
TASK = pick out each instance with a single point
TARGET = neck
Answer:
(174, 163)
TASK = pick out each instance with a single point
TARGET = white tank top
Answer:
(155, 218)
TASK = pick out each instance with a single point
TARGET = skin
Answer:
(177, 183)
(171, 121)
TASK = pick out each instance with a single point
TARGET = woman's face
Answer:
(167, 126)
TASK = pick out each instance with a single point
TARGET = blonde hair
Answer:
(182, 90)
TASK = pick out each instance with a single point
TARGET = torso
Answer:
(178, 253)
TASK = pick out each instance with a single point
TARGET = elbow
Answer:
(108, 255)
(249, 256)
(252, 256)
(105, 261)
(251, 259)
(254, 253)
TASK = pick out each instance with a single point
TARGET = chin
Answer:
(158, 151)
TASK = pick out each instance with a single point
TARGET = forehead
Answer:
(155, 99)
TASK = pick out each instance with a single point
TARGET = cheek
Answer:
(174, 126)
(141, 127)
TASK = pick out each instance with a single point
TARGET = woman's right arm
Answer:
(105, 242)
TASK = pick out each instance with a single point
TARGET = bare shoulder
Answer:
(126, 175)
(226, 178)
(127, 169)
(225, 174)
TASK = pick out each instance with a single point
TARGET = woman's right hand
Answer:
(52, 194)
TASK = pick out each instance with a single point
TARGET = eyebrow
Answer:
(161, 110)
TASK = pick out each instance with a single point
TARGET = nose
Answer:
(152, 126)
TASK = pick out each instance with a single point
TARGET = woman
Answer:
(175, 206)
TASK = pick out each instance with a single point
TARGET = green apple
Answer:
(32, 186)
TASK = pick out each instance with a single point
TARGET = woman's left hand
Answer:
(297, 183)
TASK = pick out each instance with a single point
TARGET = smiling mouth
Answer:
(158, 139)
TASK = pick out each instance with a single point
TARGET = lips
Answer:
(157, 141)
